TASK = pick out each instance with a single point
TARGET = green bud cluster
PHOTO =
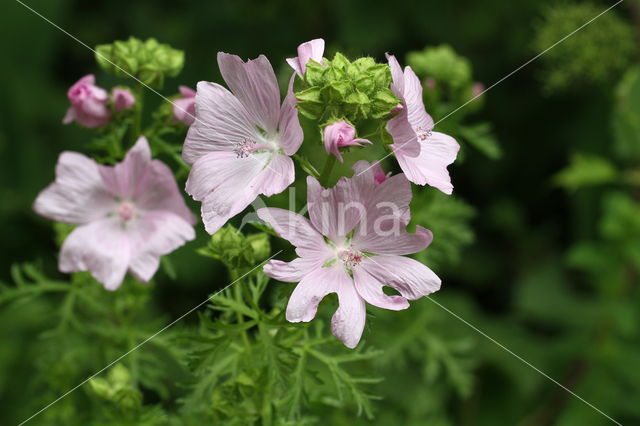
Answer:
(117, 388)
(237, 251)
(340, 89)
(443, 65)
(149, 61)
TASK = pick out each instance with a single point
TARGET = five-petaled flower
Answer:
(313, 49)
(422, 153)
(88, 104)
(241, 143)
(353, 245)
(128, 215)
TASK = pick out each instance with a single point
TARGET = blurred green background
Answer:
(528, 279)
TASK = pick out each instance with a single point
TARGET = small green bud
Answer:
(128, 398)
(443, 65)
(148, 61)
(101, 387)
(119, 375)
(314, 73)
(260, 245)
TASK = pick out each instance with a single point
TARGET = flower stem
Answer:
(326, 170)
(137, 115)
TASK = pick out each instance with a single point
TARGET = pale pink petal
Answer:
(430, 167)
(184, 110)
(414, 105)
(154, 234)
(78, 194)
(370, 289)
(222, 168)
(187, 92)
(127, 178)
(397, 76)
(313, 49)
(297, 230)
(335, 212)
(347, 324)
(101, 247)
(394, 241)
(160, 192)
(223, 203)
(291, 134)
(222, 123)
(410, 277)
(277, 175)
(294, 271)
(405, 139)
(305, 298)
(70, 116)
(254, 84)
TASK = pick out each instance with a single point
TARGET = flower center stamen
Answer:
(423, 133)
(350, 257)
(244, 148)
(126, 211)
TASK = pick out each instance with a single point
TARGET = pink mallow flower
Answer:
(353, 246)
(241, 143)
(88, 104)
(128, 215)
(122, 99)
(184, 108)
(338, 135)
(422, 153)
(313, 49)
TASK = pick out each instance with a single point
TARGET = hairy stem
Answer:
(326, 170)
(137, 115)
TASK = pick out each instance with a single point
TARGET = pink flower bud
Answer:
(313, 49)
(430, 83)
(477, 89)
(184, 108)
(340, 134)
(122, 99)
(88, 104)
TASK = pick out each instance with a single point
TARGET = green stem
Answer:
(237, 292)
(326, 170)
(137, 115)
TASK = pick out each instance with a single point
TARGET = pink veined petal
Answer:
(254, 84)
(394, 241)
(152, 235)
(347, 324)
(410, 277)
(335, 212)
(225, 202)
(101, 247)
(222, 123)
(295, 64)
(397, 76)
(303, 303)
(220, 169)
(414, 105)
(187, 92)
(126, 178)
(405, 139)
(223, 183)
(430, 167)
(294, 271)
(297, 230)
(370, 289)
(291, 134)
(78, 194)
(184, 110)
(276, 176)
(161, 192)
